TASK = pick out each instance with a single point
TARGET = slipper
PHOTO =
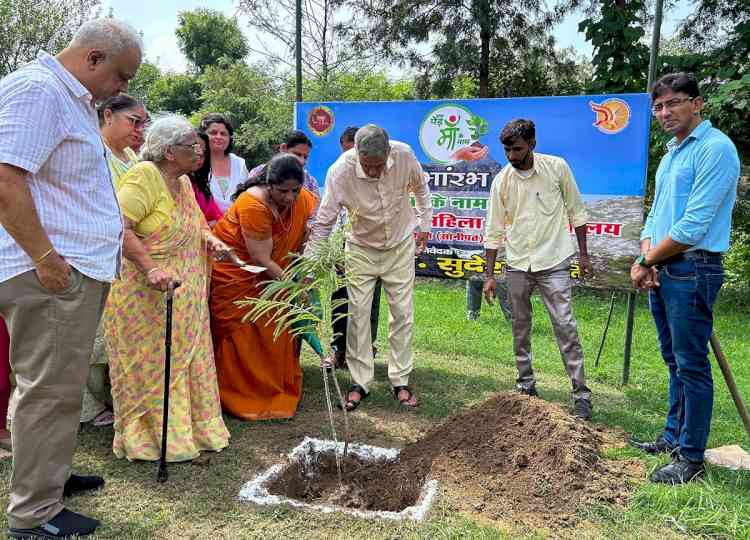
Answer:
(351, 404)
(104, 418)
(404, 402)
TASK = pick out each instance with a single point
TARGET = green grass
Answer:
(458, 363)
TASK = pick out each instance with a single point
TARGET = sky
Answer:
(157, 19)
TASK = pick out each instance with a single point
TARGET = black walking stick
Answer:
(162, 475)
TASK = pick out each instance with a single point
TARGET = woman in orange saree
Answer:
(259, 376)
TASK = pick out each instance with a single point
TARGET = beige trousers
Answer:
(395, 268)
(51, 336)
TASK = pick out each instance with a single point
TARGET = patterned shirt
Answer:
(49, 127)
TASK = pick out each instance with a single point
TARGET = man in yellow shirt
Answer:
(533, 200)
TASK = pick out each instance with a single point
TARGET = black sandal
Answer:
(404, 402)
(351, 404)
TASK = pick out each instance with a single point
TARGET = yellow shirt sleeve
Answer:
(574, 204)
(144, 199)
(494, 228)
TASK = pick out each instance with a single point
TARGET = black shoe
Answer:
(79, 484)
(680, 471)
(528, 391)
(659, 446)
(582, 409)
(63, 525)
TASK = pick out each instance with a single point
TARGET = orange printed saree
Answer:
(259, 376)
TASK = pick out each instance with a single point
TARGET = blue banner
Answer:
(604, 139)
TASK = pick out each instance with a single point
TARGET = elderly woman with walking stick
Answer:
(167, 241)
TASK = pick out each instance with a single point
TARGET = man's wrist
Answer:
(641, 261)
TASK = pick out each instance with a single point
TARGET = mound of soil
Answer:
(510, 456)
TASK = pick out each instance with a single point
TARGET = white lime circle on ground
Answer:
(444, 130)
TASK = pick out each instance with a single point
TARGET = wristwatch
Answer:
(641, 260)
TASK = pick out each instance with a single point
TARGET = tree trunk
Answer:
(484, 63)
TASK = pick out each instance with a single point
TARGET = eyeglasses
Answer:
(137, 121)
(197, 147)
(669, 105)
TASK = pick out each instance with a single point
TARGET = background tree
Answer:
(460, 37)
(330, 44)
(205, 36)
(26, 27)
(258, 104)
(144, 80)
(620, 56)
(174, 92)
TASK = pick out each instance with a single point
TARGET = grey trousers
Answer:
(556, 290)
(51, 340)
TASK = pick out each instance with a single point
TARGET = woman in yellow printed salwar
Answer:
(166, 241)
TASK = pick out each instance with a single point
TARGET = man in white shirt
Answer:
(533, 201)
(373, 182)
(60, 247)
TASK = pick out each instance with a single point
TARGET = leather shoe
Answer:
(659, 446)
(582, 409)
(680, 471)
(79, 484)
(63, 525)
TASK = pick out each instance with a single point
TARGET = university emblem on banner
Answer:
(448, 131)
(320, 120)
(612, 115)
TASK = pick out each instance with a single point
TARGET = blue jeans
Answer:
(682, 309)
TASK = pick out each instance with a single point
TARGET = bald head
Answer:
(372, 141)
(103, 55)
(108, 35)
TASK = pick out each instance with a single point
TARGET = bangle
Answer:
(43, 256)
(154, 269)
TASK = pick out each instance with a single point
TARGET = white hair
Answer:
(372, 140)
(165, 132)
(109, 35)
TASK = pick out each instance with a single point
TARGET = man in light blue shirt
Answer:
(682, 242)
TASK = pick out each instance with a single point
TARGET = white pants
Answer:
(395, 268)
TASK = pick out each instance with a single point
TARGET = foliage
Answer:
(720, 31)
(301, 300)
(140, 86)
(28, 27)
(462, 36)
(260, 107)
(329, 44)
(728, 107)
(620, 57)
(206, 36)
(175, 92)
(359, 85)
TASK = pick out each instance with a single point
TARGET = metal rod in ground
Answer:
(162, 475)
(628, 338)
(606, 327)
(729, 379)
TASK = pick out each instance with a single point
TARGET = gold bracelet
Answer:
(43, 256)
(154, 269)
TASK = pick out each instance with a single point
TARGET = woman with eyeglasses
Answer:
(166, 242)
(122, 120)
(259, 374)
(228, 170)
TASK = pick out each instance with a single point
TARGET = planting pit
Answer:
(510, 458)
(309, 479)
